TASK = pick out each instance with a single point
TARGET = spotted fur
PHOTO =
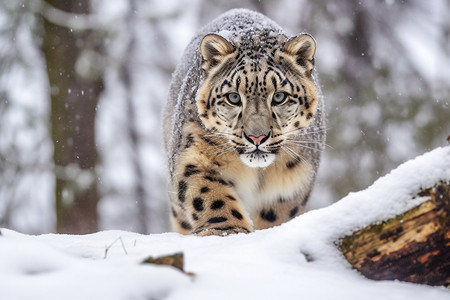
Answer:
(244, 127)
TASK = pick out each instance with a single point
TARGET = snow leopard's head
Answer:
(256, 99)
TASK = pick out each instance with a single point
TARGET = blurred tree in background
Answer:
(25, 148)
(75, 87)
(82, 84)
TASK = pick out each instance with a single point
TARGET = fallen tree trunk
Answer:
(413, 247)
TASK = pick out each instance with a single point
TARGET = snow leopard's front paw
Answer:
(221, 231)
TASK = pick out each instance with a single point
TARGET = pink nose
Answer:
(257, 139)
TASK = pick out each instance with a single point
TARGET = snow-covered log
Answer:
(413, 246)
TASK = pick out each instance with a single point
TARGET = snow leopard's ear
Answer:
(214, 49)
(302, 47)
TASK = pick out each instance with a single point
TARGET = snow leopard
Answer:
(244, 127)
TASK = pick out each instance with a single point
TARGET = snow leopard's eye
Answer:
(278, 98)
(234, 98)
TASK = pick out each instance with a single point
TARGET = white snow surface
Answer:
(297, 260)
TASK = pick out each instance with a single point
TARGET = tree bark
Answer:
(73, 108)
(413, 247)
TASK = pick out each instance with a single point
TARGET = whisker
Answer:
(292, 153)
(303, 141)
(215, 137)
(226, 148)
(297, 156)
(219, 133)
(298, 131)
(306, 142)
(300, 143)
(307, 147)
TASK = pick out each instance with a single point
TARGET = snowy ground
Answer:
(298, 260)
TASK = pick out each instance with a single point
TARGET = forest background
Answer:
(83, 83)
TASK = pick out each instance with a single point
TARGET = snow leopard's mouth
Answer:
(257, 158)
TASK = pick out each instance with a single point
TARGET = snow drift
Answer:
(296, 260)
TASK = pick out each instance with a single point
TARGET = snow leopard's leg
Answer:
(203, 199)
(280, 212)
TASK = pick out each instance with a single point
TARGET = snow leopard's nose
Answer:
(256, 140)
